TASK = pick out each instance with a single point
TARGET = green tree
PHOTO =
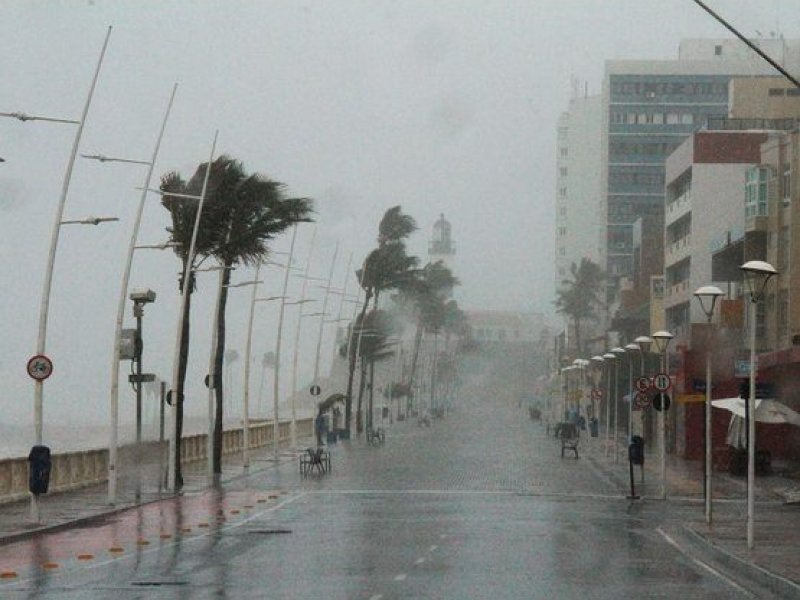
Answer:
(242, 213)
(579, 296)
(386, 267)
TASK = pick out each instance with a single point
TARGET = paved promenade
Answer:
(772, 563)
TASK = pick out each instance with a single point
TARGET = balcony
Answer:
(678, 207)
(678, 250)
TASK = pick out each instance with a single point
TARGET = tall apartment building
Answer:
(705, 200)
(580, 218)
(649, 108)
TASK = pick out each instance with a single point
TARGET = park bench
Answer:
(569, 436)
(376, 436)
(315, 458)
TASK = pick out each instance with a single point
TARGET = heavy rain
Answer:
(373, 300)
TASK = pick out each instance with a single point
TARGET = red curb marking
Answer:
(8, 574)
(116, 549)
(50, 565)
(85, 556)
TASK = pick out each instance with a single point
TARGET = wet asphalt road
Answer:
(480, 505)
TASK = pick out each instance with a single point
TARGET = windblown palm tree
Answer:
(387, 267)
(579, 297)
(245, 212)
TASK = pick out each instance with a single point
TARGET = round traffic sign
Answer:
(40, 367)
(643, 384)
(662, 382)
(657, 402)
(597, 393)
(315, 390)
(641, 400)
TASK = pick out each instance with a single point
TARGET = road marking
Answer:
(705, 566)
(195, 538)
(419, 561)
(432, 548)
(400, 577)
(376, 597)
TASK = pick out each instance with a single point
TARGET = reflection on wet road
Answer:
(480, 505)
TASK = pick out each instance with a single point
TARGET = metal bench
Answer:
(315, 458)
(376, 436)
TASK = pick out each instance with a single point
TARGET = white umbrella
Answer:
(767, 411)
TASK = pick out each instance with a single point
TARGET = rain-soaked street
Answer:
(480, 505)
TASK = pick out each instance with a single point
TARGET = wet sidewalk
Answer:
(64, 509)
(773, 562)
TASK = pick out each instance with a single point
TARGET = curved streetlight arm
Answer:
(21, 116)
(103, 159)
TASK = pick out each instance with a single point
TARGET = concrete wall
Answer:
(74, 470)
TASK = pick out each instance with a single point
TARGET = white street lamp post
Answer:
(598, 363)
(174, 458)
(619, 353)
(756, 275)
(304, 287)
(38, 390)
(631, 349)
(126, 273)
(275, 380)
(610, 359)
(661, 340)
(324, 310)
(707, 296)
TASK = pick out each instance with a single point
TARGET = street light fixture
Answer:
(126, 273)
(661, 341)
(630, 349)
(38, 392)
(619, 353)
(707, 296)
(90, 221)
(610, 359)
(756, 275)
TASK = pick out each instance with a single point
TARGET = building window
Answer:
(777, 91)
(617, 117)
(562, 192)
(717, 50)
(783, 248)
(630, 118)
(658, 119)
(783, 310)
(793, 92)
(563, 152)
(786, 182)
(562, 231)
(673, 118)
(562, 211)
(562, 251)
(563, 171)
(687, 118)
(755, 192)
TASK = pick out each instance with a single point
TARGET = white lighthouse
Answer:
(441, 248)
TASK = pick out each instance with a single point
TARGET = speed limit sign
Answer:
(662, 382)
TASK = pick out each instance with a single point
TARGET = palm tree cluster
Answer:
(421, 297)
(242, 214)
(579, 297)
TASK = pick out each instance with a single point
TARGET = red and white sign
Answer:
(597, 394)
(640, 401)
(662, 382)
(643, 384)
(40, 367)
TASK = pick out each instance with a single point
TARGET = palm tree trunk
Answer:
(578, 349)
(179, 395)
(361, 385)
(219, 358)
(353, 354)
(415, 357)
(370, 416)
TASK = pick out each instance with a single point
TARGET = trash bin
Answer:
(594, 427)
(343, 434)
(636, 450)
(331, 437)
(385, 412)
(39, 464)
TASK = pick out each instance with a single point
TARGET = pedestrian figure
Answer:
(319, 427)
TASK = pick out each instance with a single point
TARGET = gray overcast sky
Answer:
(446, 106)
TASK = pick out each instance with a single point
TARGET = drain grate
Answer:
(158, 583)
(270, 531)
